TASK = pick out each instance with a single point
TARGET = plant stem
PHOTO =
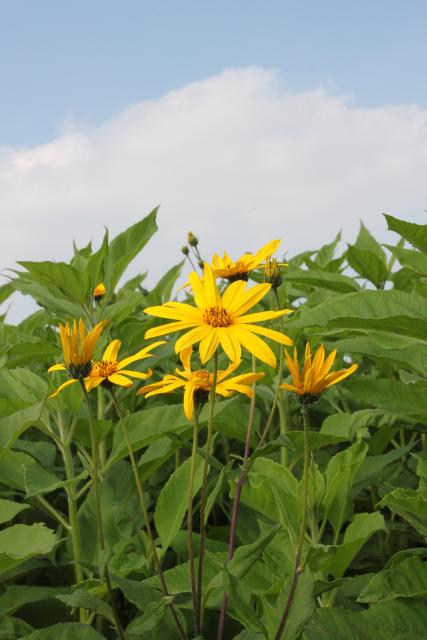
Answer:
(236, 501)
(203, 495)
(298, 568)
(145, 513)
(196, 612)
(101, 536)
(71, 493)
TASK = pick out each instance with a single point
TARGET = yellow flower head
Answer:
(316, 374)
(220, 320)
(197, 384)
(78, 347)
(109, 370)
(225, 267)
(99, 291)
(272, 273)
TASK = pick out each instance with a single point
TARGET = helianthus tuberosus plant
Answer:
(241, 491)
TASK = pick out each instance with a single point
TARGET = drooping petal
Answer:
(230, 343)
(254, 345)
(57, 367)
(93, 381)
(189, 400)
(208, 345)
(260, 316)
(191, 337)
(63, 386)
(185, 357)
(116, 378)
(140, 355)
(136, 374)
(268, 333)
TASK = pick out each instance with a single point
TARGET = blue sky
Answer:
(84, 61)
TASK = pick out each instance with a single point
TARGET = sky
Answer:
(244, 120)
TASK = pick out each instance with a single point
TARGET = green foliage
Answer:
(363, 567)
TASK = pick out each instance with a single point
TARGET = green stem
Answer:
(300, 541)
(190, 523)
(203, 494)
(101, 416)
(70, 491)
(95, 467)
(145, 513)
(44, 505)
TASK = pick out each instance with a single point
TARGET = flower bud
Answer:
(99, 291)
(272, 273)
(185, 250)
(192, 240)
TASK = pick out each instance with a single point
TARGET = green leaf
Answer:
(126, 246)
(358, 532)
(21, 542)
(340, 474)
(247, 555)
(16, 596)
(394, 312)
(322, 279)
(163, 289)
(239, 606)
(416, 234)
(9, 509)
(410, 505)
(367, 265)
(407, 579)
(172, 502)
(6, 291)
(73, 284)
(66, 631)
(11, 427)
(150, 620)
(393, 396)
(408, 258)
(83, 599)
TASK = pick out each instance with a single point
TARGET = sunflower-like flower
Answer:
(197, 384)
(220, 320)
(109, 370)
(99, 291)
(225, 267)
(78, 347)
(316, 374)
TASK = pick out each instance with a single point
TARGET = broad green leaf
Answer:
(367, 265)
(323, 279)
(9, 509)
(85, 600)
(66, 631)
(149, 621)
(172, 501)
(393, 396)
(12, 628)
(326, 253)
(362, 527)
(410, 505)
(239, 606)
(340, 474)
(55, 302)
(73, 284)
(16, 596)
(126, 246)
(394, 312)
(21, 542)
(163, 289)
(351, 424)
(11, 427)
(407, 579)
(409, 258)
(416, 234)
(247, 555)
(135, 591)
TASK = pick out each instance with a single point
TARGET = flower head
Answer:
(78, 347)
(225, 267)
(197, 384)
(99, 291)
(109, 370)
(272, 273)
(220, 320)
(316, 374)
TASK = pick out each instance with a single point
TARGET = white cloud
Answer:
(233, 158)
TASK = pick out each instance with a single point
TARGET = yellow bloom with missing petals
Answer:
(199, 383)
(109, 370)
(220, 320)
(99, 291)
(316, 374)
(225, 267)
(78, 347)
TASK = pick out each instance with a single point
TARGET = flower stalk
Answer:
(203, 495)
(298, 569)
(196, 611)
(101, 536)
(145, 513)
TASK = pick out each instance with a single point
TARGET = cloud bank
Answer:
(234, 158)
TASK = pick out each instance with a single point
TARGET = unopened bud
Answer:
(99, 291)
(272, 273)
(185, 250)
(192, 240)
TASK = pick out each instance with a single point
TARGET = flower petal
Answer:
(230, 344)
(137, 374)
(57, 367)
(140, 355)
(116, 378)
(110, 353)
(164, 329)
(63, 386)
(254, 345)
(191, 337)
(209, 345)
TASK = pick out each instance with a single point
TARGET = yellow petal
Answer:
(255, 345)
(185, 357)
(93, 381)
(116, 378)
(189, 401)
(191, 337)
(164, 329)
(136, 374)
(277, 336)
(63, 386)
(211, 290)
(249, 299)
(57, 367)
(140, 355)
(110, 353)
(260, 316)
(209, 345)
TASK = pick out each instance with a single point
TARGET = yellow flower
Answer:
(197, 384)
(316, 375)
(78, 347)
(99, 291)
(220, 320)
(109, 371)
(225, 267)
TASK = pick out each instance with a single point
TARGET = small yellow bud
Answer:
(272, 273)
(192, 240)
(99, 291)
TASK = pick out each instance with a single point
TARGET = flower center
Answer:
(104, 369)
(217, 317)
(202, 374)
